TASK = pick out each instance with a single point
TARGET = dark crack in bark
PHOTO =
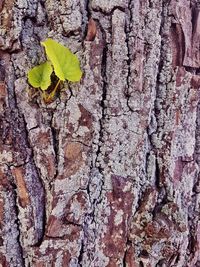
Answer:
(128, 31)
(17, 221)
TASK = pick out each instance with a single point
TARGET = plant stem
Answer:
(54, 90)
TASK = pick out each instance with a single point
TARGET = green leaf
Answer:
(66, 64)
(39, 76)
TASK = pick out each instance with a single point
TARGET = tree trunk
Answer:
(108, 173)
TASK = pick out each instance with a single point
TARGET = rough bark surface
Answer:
(107, 174)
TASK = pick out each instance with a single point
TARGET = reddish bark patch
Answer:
(51, 254)
(43, 139)
(49, 162)
(39, 264)
(148, 200)
(3, 261)
(1, 5)
(178, 170)
(73, 151)
(195, 82)
(113, 262)
(59, 227)
(69, 221)
(180, 76)
(86, 117)
(177, 116)
(66, 258)
(18, 173)
(130, 257)
(76, 208)
(91, 31)
(3, 94)
(3, 91)
(177, 44)
(185, 37)
(73, 157)
(95, 58)
(160, 228)
(53, 227)
(6, 20)
(4, 182)
(120, 199)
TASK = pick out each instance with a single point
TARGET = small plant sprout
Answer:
(61, 63)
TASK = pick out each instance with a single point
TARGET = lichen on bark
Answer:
(107, 174)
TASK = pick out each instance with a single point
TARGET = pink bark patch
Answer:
(120, 199)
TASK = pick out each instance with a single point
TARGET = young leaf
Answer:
(39, 76)
(65, 63)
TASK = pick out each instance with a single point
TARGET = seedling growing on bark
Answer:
(61, 62)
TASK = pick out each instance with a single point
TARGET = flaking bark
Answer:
(107, 174)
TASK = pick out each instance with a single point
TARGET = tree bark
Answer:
(108, 173)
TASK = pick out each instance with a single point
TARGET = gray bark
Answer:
(108, 173)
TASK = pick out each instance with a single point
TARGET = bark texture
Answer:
(107, 174)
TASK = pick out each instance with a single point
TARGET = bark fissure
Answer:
(17, 221)
(81, 252)
(55, 140)
(128, 31)
(103, 99)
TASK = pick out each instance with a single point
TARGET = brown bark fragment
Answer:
(6, 9)
(73, 157)
(19, 175)
(3, 262)
(1, 4)
(130, 257)
(3, 93)
(91, 31)
(195, 82)
(54, 226)
(120, 201)
(66, 259)
(178, 45)
(61, 227)
(40, 264)
(69, 221)
(76, 208)
(185, 34)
